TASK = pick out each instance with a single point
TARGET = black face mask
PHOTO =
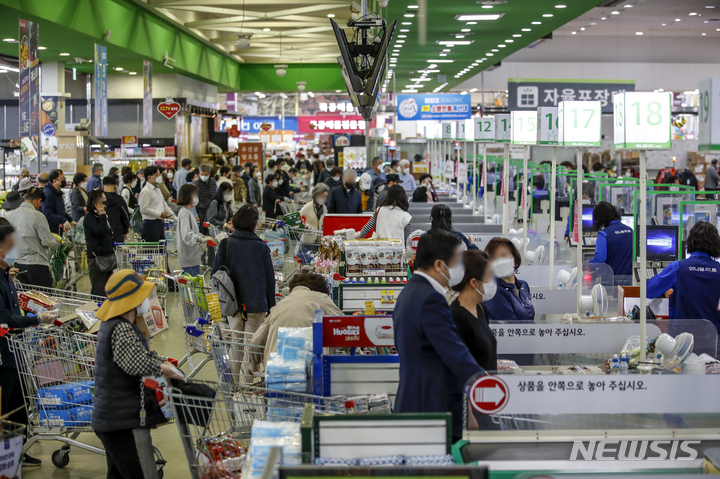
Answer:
(63, 184)
(350, 186)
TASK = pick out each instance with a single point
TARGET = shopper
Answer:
(366, 191)
(247, 260)
(614, 243)
(407, 179)
(116, 209)
(153, 207)
(78, 196)
(435, 364)
(711, 179)
(470, 315)
(378, 186)
(42, 180)
(335, 178)
(326, 172)
(54, 206)
(425, 193)
(140, 181)
(694, 280)
(180, 175)
(10, 315)
(189, 240)
(12, 201)
(512, 301)
(35, 241)
(391, 220)
(124, 410)
(220, 212)
(223, 175)
(313, 213)
(390, 179)
(95, 181)
(441, 218)
(345, 199)
(192, 177)
(99, 238)
(25, 184)
(308, 293)
(168, 180)
(253, 186)
(283, 188)
(240, 191)
(271, 199)
(376, 170)
(25, 173)
(246, 175)
(395, 167)
(207, 187)
(127, 193)
(270, 171)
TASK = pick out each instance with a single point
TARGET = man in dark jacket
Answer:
(206, 191)
(54, 206)
(117, 210)
(283, 188)
(250, 269)
(246, 174)
(325, 173)
(345, 199)
(435, 363)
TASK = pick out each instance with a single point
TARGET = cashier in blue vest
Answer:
(695, 281)
(512, 301)
(614, 243)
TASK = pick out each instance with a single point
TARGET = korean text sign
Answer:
(439, 106)
(531, 93)
(641, 120)
(101, 111)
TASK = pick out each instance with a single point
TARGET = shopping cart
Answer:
(238, 362)
(148, 260)
(304, 243)
(170, 241)
(215, 431)
(201, 309)
(69, 300)
(12, 436)
(63, 263)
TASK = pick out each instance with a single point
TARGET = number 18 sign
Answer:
(580, 123)
(641, 120)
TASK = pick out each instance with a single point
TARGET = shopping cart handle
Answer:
(168, 276)
(202, 321)
(182, 280)
(206, 224)
(193, 331)
(211, 244)
(173, 361)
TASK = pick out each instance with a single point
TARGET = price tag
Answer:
(485, 129)
(579, 123)
(449, 130)
(547, 120)
(709, 115)
(641, 120)
(524, 127)
(462, 173)
(502, 128)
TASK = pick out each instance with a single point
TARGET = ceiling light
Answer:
(463, 93)
(526, 30)
(487, 6)
(42, 48)
(459, 36)
(490, 54)
(495, 50)
(404, 30)
(432, 66)
(413, 6)
(664, 25)
(64, 54)
(574, 33)
(465, 30)
(560, 6)
(582, 29)
(443, 54)
(502, 45)
(266, 29)
(704, 34)
(439, 61)
(517, 35)
(615, 12)
(537, 23)
(409, 15)
(118, 69)
(547, 15)
(453, 43)
(331, 15)
(509, 41)
(474, 64)
(468, 18)
(395, 54)
(483, 59)
(8, 40)
(692, 14)
(429, 71)
(446, 49)
(409, 91)
(420, 79)
(400, 41)
(638, 33)
(471, 23)
(132, 73)
(593, 23)
(473, 90)
(603, 18)
(406, 23)
(628, 6)
(402, 36)
(709, 6)
(677, 20)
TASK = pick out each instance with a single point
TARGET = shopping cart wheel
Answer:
(159, 462)
(61, 458)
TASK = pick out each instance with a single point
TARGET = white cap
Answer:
(365, 181)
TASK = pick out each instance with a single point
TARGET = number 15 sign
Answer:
(579, 123)
(641, 120)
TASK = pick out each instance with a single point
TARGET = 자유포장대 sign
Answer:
(531, 93)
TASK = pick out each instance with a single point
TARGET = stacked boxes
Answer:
(68, 404)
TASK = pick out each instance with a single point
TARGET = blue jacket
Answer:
(344, 202)
(10, 314)
(614, 248)
(435, 364)
(694, 281)
(93, 182)
(505, 306)
(54, 208)
(251, 269)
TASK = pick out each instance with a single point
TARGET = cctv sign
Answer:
(169, 108)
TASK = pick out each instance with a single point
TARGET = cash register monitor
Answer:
(662, 243)
(587, 217)
(628, 220)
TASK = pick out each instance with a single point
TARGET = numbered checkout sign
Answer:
(523, 130)
(709, 113)
(485, 129)
(503, 124)
(641, 120)
(579, 123)
(449, 130)
(547, 122)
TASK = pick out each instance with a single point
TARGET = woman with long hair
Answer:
(441, 218)
(391, 219)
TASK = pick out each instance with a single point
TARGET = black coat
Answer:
(270, 202)
(344, 202)
(98, 235)
(206, 193)
(118, 215)
(77, 200)
(284, 189)
(332, 182)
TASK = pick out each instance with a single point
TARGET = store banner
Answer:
(252, 152)
(331, 124)
(531, 93)
(29, 81)
(276, 136)
(253, 124)
(101, 111)
(360, 331)
(438, 106)
(49, 128)
(147, 99)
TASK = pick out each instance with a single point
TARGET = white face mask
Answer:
(380, 188)
(336, 178)
(83, 185)
(227, 198)
(457, 273)
(204, 178)
(170, 175)
(321, 201)
(274, 184)
(674, 188)
(143, 308)
(195, 200)
(280, 182)
(133, 184)
(504, 267)
(490, 290)
(406, 171)
(628, 174)
(257, 175)
(11, 256)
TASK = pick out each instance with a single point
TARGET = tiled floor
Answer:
(87, 465)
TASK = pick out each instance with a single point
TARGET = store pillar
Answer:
(52, 117)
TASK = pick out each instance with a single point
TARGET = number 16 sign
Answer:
(641, 120)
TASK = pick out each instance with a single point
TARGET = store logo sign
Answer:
(634, 450)
(169, 108)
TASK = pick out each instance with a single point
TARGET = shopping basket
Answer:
(149, 260)
(237, 361)
(69, 300)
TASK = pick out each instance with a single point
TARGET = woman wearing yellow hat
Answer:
(124, 410)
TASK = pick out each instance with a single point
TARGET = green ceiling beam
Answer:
(319, 77)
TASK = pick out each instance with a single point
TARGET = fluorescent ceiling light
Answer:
(474, 64)
(630, 6)
(583, 29)
(446, 50)
(692, 14)
(266, 29)
(404, 30)
(331, 15)
(677, 20)
(409, 15)
(132, 73)
(509, 41)
(469, 18)
(547, 15)
(439, 61)
(452, 43)
(420, 79)
(9, 40)
(615, 12)
(401, 41)
(64, 54)
(432, 66)
(471, 23)
(526, 30)
(395, 54)
(429, 71)
(42, 48)
(517, 35)
(638, 33)
(603, 18)
(560, 6)
(409, 91)
(118, 69)
(490, 54)
(574, 33)
(465, 30)
(537, 23)
(487, 6)
(473, 90)
(406, 23)
(442, 54)
(402, 36)
(413, 6)
(495, 50)
(459, 36)
(703, 34)
(463, 93)
(502, 45)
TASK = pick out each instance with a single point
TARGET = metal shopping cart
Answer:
(12, 435)
(148, 260)
(238, 362)
(69, 300)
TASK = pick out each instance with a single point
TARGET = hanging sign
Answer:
(485, 129)
(547, 121)
(531, 93)
(449, 130)
(503, 124)
(641, 120)
(147, 99)
(29, 84)
(129, 141)
(709, 115)
(580, 123)
(524, 127)
(101, 108)
(438, 106)
(169, 108)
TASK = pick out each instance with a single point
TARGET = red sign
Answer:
(489, 394)
(358, 331)
(331, 124)
(130, 141)
(413, 240)
(169, 108)
(233, 131)
(335, 221)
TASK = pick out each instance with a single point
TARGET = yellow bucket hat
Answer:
(125, 290)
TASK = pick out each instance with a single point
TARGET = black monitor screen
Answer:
(662, 243)
(587, 216)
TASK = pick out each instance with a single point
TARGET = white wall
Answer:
(166, 84)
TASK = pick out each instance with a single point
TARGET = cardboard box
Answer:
(35, 302)
(154, 321)
(85, 318)
(629, 296)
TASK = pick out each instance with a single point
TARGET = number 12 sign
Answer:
(579, 123)
(485, 128)
(641, 120)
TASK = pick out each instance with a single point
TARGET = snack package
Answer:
(35, 302)
(353, 264)
(366, 254)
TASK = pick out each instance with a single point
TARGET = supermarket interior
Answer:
(360, 238)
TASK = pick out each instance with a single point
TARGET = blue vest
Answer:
(619, 248)
(506, 306)
(697, 291)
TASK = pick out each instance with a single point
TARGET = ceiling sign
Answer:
(641, 120)
(438, 106)
(531, 93)
(169, 108)
(709, 115)
(580, 123)
(524, 127)
(331, 124)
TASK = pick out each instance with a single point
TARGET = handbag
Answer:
(107, 263)
(195, 404)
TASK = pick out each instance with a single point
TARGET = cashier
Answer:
(614, 240)
(512, 301)
(694, 280)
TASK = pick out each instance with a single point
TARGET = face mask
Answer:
(274, 184)
(133, 184)
(11, 256)
(349, 186)
(63, 184)
(628, 174)
(170, 175)
(321, 201)
(143, 308)
(426, 184)
(490, 290)
(504, 267)
(204, 177)
(195, 200)
(83, 185)
(457, 273)
(257, 175)
(285, 167)
(380, 188)
(406, 171)
(280, 182)
(227, 198)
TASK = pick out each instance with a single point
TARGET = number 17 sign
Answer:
(641, 120)
(579, 123)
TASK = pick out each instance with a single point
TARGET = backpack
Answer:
(133, 201)
(136, 220)
(225, 288)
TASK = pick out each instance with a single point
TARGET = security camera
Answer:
(106, 35)
(166, 59)
(243, 41)
(281, 70)
(301, 85)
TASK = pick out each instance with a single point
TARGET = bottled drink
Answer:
(615, 367)
(624, 366)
